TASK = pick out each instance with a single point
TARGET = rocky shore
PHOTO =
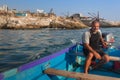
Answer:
(9, 20)
(37, 22)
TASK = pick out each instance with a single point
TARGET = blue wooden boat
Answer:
(66, 64)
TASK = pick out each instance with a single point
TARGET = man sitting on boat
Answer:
(91, 46)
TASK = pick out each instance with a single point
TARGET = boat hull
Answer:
(69, 59)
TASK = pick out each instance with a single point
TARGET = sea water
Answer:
(18, 47)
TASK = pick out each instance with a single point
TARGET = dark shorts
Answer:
(86, 52)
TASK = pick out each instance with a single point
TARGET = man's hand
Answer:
(105, 44)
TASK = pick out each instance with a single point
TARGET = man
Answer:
(91, 46)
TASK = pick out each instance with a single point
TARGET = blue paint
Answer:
(67, 59)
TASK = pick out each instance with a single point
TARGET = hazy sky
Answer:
(108, 9)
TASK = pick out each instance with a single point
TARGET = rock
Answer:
(13, 22)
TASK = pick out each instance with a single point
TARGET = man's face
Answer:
(95, 26)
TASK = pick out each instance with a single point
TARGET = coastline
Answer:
(8, 20)
(11, 21)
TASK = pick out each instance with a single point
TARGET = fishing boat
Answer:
(67, 64)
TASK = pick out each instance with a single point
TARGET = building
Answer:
(21, 14)
(79, 16)
(40, 11)
(4, 8)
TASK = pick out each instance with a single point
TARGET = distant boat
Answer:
(66, 64)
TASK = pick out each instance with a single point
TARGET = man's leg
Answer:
(88, 62)
(104, 60)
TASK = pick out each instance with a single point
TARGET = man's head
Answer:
(95, 25)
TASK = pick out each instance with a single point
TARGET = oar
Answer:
(113, 58)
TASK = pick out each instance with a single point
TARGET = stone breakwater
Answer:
(39, 22)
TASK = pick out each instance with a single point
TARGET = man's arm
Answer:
(85, 39)
(103, 42)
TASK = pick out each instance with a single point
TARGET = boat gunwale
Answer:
(1, 76)
(42, 60)
(34, 63)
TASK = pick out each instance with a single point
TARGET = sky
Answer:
(108, 9)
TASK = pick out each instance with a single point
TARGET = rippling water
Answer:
(21, 46)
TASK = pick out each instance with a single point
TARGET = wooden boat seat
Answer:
(76, 75)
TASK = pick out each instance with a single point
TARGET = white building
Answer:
(40, 11)
(4, 8)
